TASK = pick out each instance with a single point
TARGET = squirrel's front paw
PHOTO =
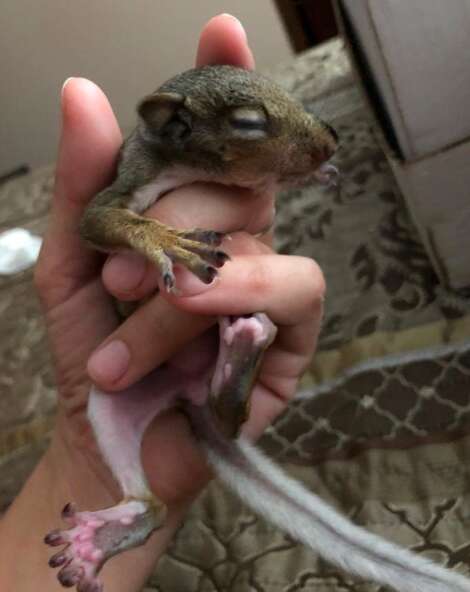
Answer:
(194, 249)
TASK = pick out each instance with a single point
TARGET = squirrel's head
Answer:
(238, 124)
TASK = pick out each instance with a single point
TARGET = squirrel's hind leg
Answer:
(119, 421)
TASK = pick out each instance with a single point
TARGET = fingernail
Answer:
(65, 83)
(237, 22)
(110, 362)
(125, 271)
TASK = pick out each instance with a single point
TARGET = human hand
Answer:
(163, 326)
(79, 316)
(78, 311)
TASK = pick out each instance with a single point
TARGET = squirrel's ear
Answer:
(158, 109)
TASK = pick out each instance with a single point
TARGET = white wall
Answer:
(127, 47)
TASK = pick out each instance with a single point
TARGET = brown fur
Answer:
(188, 123)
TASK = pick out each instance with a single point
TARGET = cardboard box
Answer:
(412, 58)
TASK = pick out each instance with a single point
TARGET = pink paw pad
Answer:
(256, 328)
(93, 538)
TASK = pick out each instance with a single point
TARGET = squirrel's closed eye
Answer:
(250, 123)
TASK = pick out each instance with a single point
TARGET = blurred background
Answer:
(128, 48)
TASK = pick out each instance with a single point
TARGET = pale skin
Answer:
(80, 322)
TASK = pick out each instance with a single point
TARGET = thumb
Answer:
(89, 143)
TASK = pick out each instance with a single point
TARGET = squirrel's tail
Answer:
(285, 502)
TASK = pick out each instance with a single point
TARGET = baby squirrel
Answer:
(217, 123)
(230, 126)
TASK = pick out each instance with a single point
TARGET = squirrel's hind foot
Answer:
(94, 537)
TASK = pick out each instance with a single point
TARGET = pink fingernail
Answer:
(110, 362)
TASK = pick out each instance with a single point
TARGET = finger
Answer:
(89, 144)
(130, 277)
(265, 407)
(226, 209)
(145, 340)
(289, 289)
(223, 41)
(239, 243)
(290, 355)
(156, 331)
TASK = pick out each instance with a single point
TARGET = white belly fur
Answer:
(147, 195)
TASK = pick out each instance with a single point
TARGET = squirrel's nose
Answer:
(332, 131)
